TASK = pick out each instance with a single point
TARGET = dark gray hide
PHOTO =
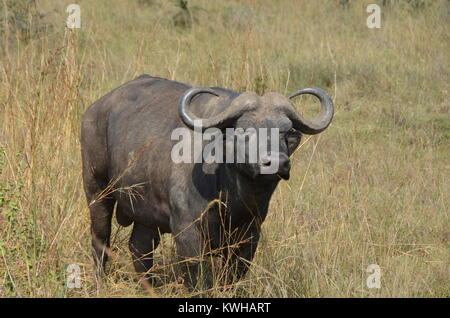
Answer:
(126, 151)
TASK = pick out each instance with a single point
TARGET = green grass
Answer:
(372, 189)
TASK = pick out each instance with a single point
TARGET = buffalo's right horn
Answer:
(222, 120)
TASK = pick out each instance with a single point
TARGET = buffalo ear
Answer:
(293, 138)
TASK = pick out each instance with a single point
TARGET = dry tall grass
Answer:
(372, 189)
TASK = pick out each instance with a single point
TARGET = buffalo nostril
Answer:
(265, 161)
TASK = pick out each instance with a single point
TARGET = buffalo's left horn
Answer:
(312, 127)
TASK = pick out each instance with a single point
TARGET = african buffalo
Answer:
(210, 209)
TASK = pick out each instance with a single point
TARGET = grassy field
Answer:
(372, 189)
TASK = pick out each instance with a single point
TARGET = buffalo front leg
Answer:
(238, 259)
(142, 244)
(189, 247)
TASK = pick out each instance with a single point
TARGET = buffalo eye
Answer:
(293, 138)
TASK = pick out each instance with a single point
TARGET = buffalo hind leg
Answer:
(96, 183)
(142, 243)
(101, 214)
